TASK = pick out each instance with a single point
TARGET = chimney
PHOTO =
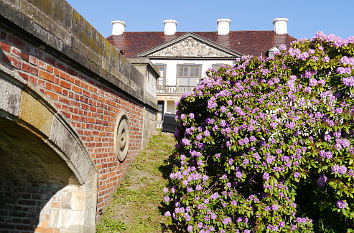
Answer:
(118, 27)
(280, 26)
(170, 27)
(223, 26)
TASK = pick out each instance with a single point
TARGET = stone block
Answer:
(14, 3)
(58, 10)
(63, 138)
(72, 219)
(10, 97)
(35, 113)
(124, 66)
(74, 198)
(44, 20)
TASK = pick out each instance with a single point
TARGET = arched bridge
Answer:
(73, 114)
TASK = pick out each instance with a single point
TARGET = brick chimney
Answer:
(280, 26)
(223, 26)
(170, 27)
(118, 27)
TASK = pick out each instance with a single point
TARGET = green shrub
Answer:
(267, 145)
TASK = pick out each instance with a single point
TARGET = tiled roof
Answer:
(245, 42)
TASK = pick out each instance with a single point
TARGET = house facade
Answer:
(182, 58)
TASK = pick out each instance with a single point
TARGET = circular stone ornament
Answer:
(121, 137)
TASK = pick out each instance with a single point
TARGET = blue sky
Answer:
(306, 17)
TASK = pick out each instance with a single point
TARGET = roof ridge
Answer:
(198, 31)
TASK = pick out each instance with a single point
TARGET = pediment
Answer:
(190, 45)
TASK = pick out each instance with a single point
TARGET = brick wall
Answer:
(89, 104)
(21, 205)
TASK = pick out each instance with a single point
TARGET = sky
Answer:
(306, 17)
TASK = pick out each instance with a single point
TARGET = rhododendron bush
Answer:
(267, 144)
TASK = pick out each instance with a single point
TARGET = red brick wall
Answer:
(88, 104)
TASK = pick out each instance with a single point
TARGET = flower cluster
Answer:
(258, 140)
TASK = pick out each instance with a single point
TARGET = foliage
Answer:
(267, 145)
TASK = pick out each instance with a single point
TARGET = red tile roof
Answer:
(245, 42)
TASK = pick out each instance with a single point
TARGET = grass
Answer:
(136, 206)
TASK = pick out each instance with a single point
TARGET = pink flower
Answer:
(206, 133)
(275, 207)
(327, 137)
(167, 214)
(265, 176)
(166, 199)
(348, 81)
(341, 204)
(322, 181)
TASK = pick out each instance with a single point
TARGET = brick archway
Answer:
(47, 178)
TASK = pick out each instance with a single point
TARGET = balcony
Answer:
(167, 89)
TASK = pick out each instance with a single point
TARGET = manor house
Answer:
(183, 57)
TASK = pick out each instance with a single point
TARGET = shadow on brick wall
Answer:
(21, 205)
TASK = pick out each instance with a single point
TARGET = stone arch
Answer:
(48, 181)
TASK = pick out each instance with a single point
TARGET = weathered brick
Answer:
(50, 60)
(18, 214)
(48, 86)
(65, 84)
(25, 56)
(26, 202)
(64, 100)
(33, 80)
(76, 89)
(42, 64)
(16, 52)
(45, 75)
(51, 94)
(30, 69)
(23, 75)
(56, 80)
(49, 68)
(33, 60)
(67, 115)
(5, 47)
(57, 89)
(56, 71)
(18, 43)
(12, 61)
(60, 66)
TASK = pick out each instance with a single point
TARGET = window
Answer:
(188, 75)
(161, 82)
(273, 51)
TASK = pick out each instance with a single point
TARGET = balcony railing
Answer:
(174, 89)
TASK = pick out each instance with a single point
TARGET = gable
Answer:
(190, 47)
